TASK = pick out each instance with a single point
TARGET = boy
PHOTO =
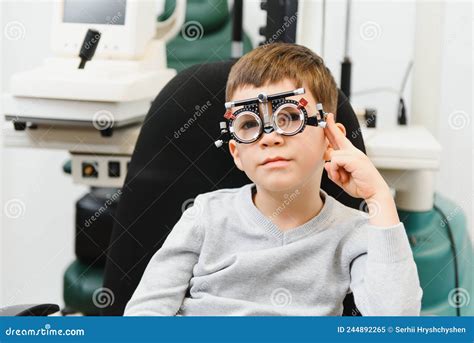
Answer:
(281, 245)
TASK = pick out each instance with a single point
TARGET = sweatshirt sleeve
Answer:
(385, 280)
(165, 280)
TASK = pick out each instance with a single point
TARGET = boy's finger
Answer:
(345, 176)
(334, 176)
(335, 131)
(335, 170)
(329, 133)
(330, 152)
(335, 134)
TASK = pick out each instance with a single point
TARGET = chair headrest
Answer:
(210, 14)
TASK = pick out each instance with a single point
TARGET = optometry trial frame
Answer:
(289, 117)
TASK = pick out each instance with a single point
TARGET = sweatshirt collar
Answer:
(317, 223)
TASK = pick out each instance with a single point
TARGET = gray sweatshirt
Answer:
(237, 262)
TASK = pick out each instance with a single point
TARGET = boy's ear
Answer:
(326, 153)
(235, 153)
(342, 128)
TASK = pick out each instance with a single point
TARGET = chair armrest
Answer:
(29, 310)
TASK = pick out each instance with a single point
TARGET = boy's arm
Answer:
(163, 285)
(385, 280)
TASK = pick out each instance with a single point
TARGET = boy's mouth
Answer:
(278, 160)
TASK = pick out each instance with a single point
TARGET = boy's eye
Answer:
(288, 116)
(295, 116)
(249, 124)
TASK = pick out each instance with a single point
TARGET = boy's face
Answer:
(304, 153)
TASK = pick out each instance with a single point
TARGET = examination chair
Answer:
(169, 168)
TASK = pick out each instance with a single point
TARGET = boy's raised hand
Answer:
(350, 168)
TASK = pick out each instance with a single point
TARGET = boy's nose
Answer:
(270, 139)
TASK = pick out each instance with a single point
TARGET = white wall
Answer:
(36, 248)
(455, 129)
(2, 279)
(38, 199)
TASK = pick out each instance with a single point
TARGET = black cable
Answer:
(402, 113)
(237, 31)
(402, 117)
(89, 45)
(453, 250)
(346, 64)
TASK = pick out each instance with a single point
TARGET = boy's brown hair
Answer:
(277, 61)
